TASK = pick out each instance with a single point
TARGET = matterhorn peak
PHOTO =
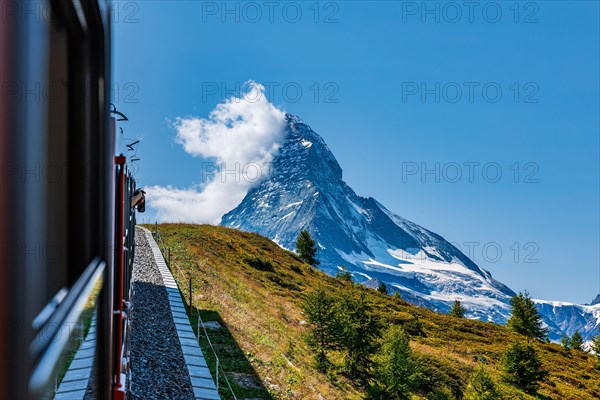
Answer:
(306, 190)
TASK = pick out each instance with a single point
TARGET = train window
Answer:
(69, 280)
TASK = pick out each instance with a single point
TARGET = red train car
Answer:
(66, 221)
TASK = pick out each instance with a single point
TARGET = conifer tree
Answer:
(565, 341)
(525, 318)
(306, 248)
(576, 341)
(343, 274)
(395, 367)
(382, 288)
(481, 386)
(458, 310)
(523, 368)
(596, 348)
(319, 309)
(359, 330)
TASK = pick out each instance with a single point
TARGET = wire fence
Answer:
(166, 251)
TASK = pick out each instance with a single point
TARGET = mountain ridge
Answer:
(306, 190)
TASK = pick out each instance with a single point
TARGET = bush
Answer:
(414, 327)
(259, 264)
(433, 376)
(481, 386)
(296, 269)
(441, 393)
(283, 281)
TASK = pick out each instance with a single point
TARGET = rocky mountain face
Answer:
(305, 190)
(566, 318)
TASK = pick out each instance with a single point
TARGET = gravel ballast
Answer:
(159, 369)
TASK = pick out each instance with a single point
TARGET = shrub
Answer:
(434, 375)
(259, 264)
(414, 327)
(481, 386)
(441, 393)
(283, 281)
(296, 269)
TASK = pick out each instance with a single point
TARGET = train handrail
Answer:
(49, 344)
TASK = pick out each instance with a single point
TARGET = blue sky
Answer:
(396, 90)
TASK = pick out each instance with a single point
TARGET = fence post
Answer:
(155, 228)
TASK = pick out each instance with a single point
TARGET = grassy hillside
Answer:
(255, 289)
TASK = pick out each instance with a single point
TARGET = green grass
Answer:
(254, 289)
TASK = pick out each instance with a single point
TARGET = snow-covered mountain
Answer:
(305, 189)
(565, 318)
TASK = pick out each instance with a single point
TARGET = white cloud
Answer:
(240, 136)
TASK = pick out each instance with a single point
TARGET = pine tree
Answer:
(359, 330)
(395, 367)
(382, 288)
(596, 348)
(565, 341)
(458, 310)
(319, 309)
(306, 248)
(481, 386)
(577, 341)
(525, 318)
(344, 275)
(523, 368)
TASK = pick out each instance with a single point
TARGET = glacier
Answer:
(305, 190)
